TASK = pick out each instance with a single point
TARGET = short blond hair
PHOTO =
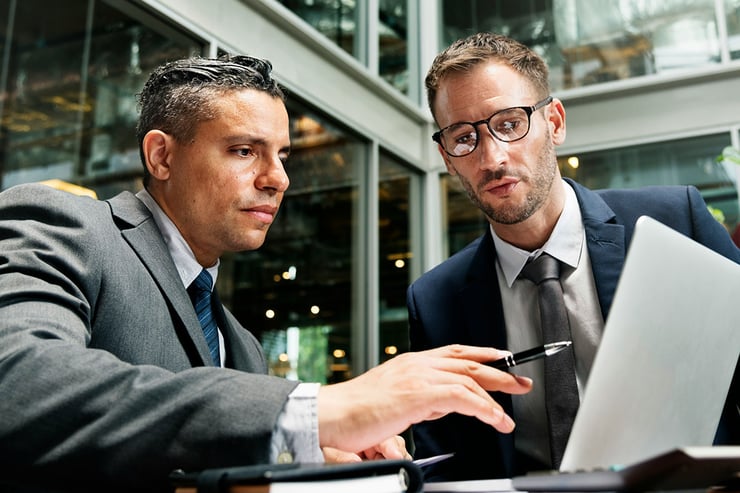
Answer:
(481, 47)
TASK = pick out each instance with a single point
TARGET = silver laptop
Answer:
(670, 346)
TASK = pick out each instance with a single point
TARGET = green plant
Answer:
(717, 213)
(730, 154)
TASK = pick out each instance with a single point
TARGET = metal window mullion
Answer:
(6, 57)
(724, 40)
(372, 260)
(372, 37)
(79, 169)
(365, 318)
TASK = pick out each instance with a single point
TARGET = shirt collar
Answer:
(564, 244)
(187, 266)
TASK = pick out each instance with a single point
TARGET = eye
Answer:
(461, 134)
(508, 126)
(243, 151)
(509, 122)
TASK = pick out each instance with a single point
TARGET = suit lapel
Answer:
(606, 243)
(484, 316)
(142, 234)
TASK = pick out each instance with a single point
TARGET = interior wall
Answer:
(663, 111)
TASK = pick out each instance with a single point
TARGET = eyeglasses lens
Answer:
(507, 126)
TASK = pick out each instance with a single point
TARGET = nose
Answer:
(273, 176)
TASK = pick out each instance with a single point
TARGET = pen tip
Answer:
(556, 347)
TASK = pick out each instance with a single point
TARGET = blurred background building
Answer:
(651, 89)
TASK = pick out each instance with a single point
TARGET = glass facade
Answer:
(69, 76)
(587, 42)
(335, 19)
(326, 293)
(689, 161)
(397, 187)
(339, 20)
(393, 64)
(464, 221)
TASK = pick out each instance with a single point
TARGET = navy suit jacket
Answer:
(459, 301)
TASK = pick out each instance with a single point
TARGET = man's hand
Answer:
(392, 448)
(359, 415)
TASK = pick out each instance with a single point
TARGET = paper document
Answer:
(473, 486)
(390, 483)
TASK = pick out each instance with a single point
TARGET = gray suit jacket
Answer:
(103, 364)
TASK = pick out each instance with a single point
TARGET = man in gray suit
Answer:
(106, 376)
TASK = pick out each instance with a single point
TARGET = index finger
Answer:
(479, 354)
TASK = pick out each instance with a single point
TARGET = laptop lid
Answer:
(670, 345)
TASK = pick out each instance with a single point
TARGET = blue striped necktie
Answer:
(200, 295)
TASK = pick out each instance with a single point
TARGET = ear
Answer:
(157, 147)
(556, 118)
(446, 158)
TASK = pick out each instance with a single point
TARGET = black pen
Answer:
(529, 355)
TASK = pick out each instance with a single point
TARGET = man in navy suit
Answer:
(499, 128)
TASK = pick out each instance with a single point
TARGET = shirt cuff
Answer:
(296, 434)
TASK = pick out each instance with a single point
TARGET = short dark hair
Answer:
(177, 96)
(482, 47)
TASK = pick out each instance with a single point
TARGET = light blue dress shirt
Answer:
(296, 434)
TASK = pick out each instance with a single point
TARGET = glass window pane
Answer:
(590, 41)
(393, 43)
(41, 121)
(732, 10)
(60, 120)
(396, 252)
(690, 161)
(296, 292)
(335, 19)
(464, 221)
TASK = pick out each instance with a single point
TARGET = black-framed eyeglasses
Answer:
(507, 125)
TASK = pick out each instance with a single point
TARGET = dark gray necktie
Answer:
(200, 295)
(561, 389)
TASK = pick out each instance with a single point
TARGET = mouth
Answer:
(263, 213)
(501, 188)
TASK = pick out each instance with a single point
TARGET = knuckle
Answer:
(472, 368)
(456, 350)
(459, 391)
